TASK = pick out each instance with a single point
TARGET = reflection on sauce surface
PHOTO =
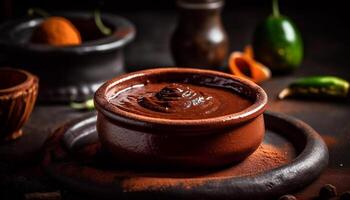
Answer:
(179, 101)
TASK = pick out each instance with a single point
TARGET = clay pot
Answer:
(209, 142)
(199, 38)
(69, 73)
(18, 92)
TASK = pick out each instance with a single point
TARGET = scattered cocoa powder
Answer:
(266, 157)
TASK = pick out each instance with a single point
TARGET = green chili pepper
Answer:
(277, 42)
(317, 86)
(100, 25)
(86, 105)
(38, 11)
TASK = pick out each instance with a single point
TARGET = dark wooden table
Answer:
(326, 52)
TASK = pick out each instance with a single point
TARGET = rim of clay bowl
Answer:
(102, 104)
(22, 85)
(124, 32)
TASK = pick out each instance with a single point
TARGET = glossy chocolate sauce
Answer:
(178, 101)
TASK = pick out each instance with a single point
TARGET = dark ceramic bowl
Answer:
(18, 92)
(71, 72)
(205, 142)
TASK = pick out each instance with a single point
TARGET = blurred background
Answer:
(323, 24)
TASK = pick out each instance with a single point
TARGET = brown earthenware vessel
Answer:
(18, 92)
(199, 39)
(208, 142)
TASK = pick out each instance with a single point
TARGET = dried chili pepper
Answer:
(244, 65)
(317, 86)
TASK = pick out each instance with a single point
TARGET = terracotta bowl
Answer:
(139, 139)
(18, 92)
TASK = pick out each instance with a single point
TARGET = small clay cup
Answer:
(138, 139)
(18, 92)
